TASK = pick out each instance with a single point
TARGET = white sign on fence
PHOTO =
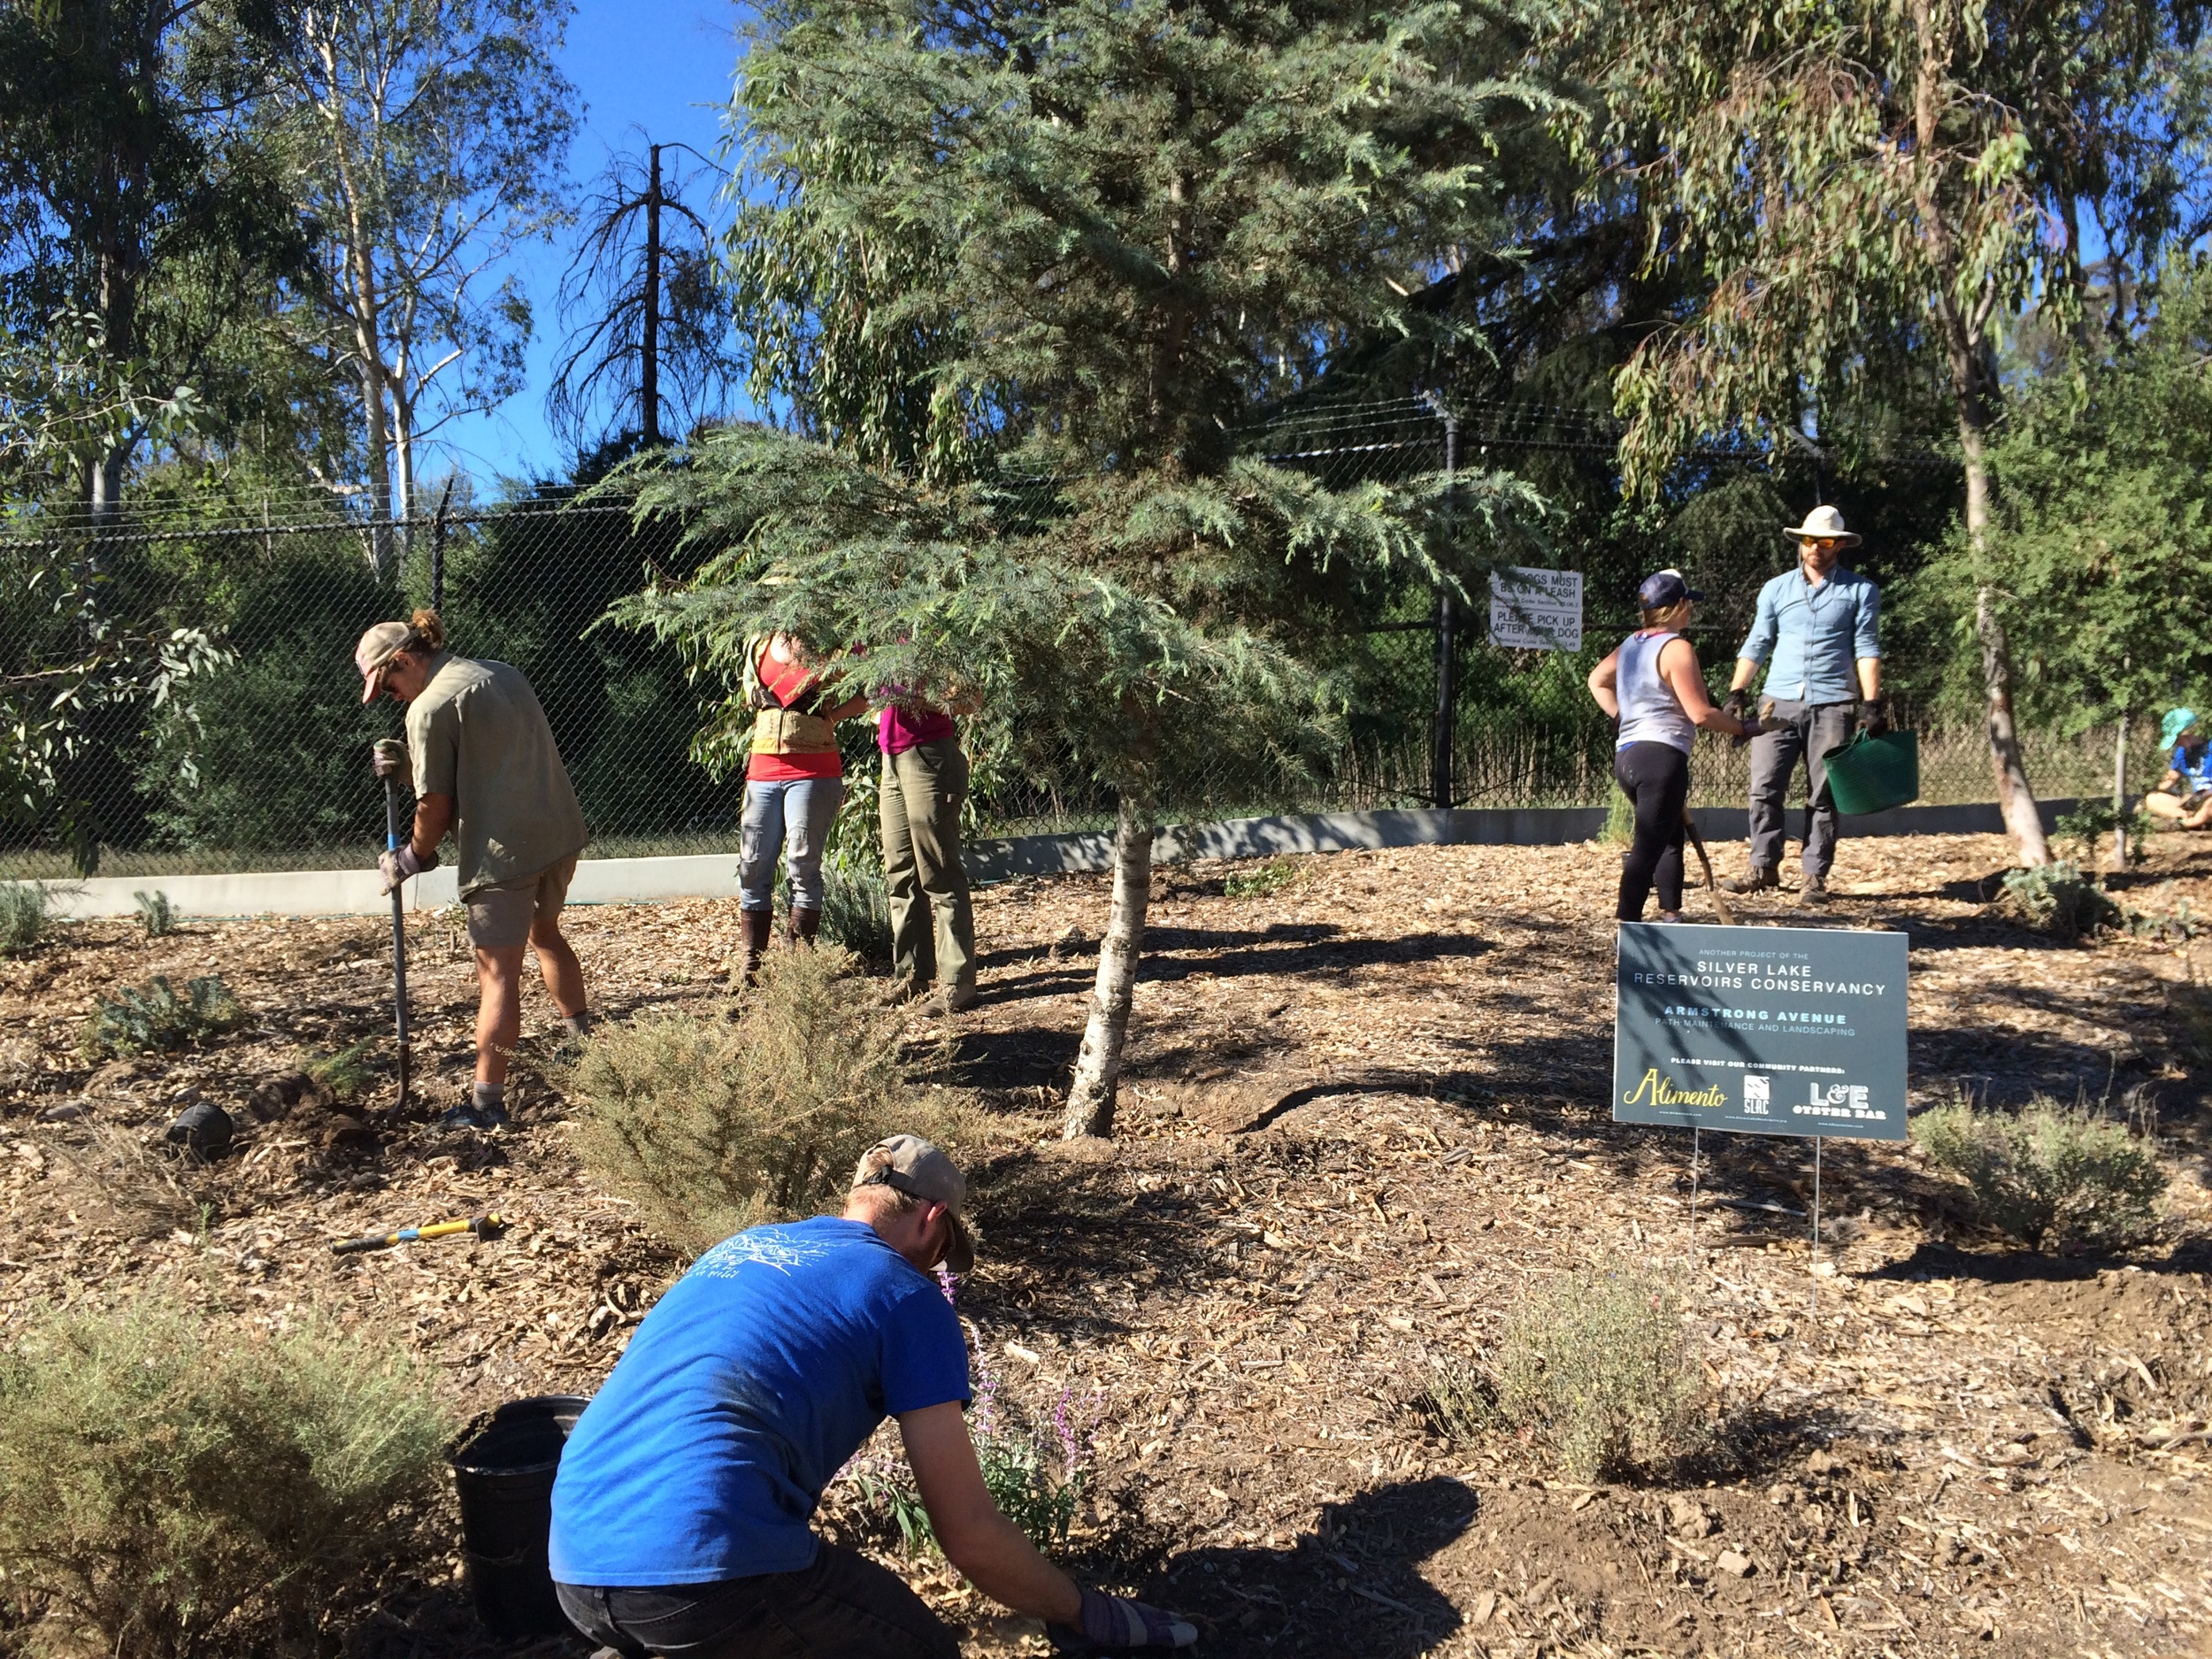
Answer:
(1533, 610)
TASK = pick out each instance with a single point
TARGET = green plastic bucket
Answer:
(1872, 774)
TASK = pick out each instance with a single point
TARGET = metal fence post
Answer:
(1447, 688)
(437, 550)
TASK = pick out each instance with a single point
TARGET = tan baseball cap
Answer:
(919, 1167)
(374, 655)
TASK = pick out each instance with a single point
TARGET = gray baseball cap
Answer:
(919, 1167)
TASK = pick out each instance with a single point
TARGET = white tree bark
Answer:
(1092, 1097)
(2120, 792)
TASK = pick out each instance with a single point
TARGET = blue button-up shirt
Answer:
(1816, 635)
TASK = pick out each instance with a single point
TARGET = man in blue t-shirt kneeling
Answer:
(680, 1512)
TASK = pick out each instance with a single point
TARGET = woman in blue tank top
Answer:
(1652, 685)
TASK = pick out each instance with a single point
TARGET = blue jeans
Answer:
(789, 815)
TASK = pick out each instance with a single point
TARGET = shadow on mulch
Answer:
(1937, 1261)
(1349, 1587)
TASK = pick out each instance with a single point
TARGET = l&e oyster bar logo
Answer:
(1791, 1031)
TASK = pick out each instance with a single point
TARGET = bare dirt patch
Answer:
(1364, 1111)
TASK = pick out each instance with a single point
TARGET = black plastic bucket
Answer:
(505, 1474)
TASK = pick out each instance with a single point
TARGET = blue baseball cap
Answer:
(1665, 587)
(2176, 722)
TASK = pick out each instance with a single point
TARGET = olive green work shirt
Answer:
(478, 734)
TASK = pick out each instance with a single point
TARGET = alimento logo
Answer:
(1662, 1092)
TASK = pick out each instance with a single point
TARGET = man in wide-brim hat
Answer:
(1818, 634)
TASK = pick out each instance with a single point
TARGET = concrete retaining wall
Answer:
(714, 875)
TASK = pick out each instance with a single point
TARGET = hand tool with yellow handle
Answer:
(483, 1226)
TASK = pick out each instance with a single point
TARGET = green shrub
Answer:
(855, 910)
(153, 1017)
(345, 1073)
(2059, 898)
(24, 917)
(1596, 1364)
(2089, 827)
(158, 915)
(1036, 1474)
(174, 1490)
(710, 1126)
(2054, 1176)
(1260, 881)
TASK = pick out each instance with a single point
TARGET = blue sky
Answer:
(656, 66)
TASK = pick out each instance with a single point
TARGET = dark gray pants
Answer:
(843, 1607)
(1799, 731)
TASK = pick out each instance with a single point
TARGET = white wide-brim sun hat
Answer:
(1822, 524)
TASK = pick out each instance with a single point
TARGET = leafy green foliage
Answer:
(1037, 1473)
(2089, 827)
(185, 1491)
(2054, 1176)
(1257, 881)
(2104, 468)
(345, 1073)
(2061, 897)
(1596, 1364)
(23, 918)
(152, 1018)
(710, 1126)
(155, 913)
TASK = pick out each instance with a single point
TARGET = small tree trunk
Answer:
(1098, 1065)
(650, 356)
(2015, 799)
(2120, 792)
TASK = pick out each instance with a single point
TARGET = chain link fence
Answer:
(260, 762)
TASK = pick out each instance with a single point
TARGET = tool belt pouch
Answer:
(782, 732)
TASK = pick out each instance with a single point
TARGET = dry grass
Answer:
(175, 1491)
(710, 1126)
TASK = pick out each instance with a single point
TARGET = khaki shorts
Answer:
(501, 917)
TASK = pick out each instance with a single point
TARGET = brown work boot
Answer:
(1813, 892)
(804, 925)
(1761, 880)
(754, 927)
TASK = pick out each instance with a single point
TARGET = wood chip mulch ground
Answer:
(1365, 1110)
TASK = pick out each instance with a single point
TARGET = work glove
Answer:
(1873, 721)
(1115, 1621)
(1738, 705)
(396, 865)
(1753, 726)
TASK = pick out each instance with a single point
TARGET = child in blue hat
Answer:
(2184, 795)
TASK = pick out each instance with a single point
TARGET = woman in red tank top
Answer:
(793, 785)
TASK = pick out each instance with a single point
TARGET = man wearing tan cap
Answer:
(487, 768)
(680, 1511)
(1821, 625)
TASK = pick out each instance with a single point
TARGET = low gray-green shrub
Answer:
(1596, 1364)
(710, 1126)
(155, 911)
(2059, 898)
(153, 1019)
(174, 1490)
(2054, 1176)
(24, 917)
(1456, 1399)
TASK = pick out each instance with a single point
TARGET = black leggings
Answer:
(1656, 777)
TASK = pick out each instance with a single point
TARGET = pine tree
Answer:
(1127, 226)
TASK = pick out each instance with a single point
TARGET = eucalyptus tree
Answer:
(2104, 511)
(1089, 240)
(1862, 183)
(428, 141)
(132, 190)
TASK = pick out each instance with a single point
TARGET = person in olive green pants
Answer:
(925, 783)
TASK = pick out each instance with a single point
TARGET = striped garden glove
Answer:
(1115, 1621)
